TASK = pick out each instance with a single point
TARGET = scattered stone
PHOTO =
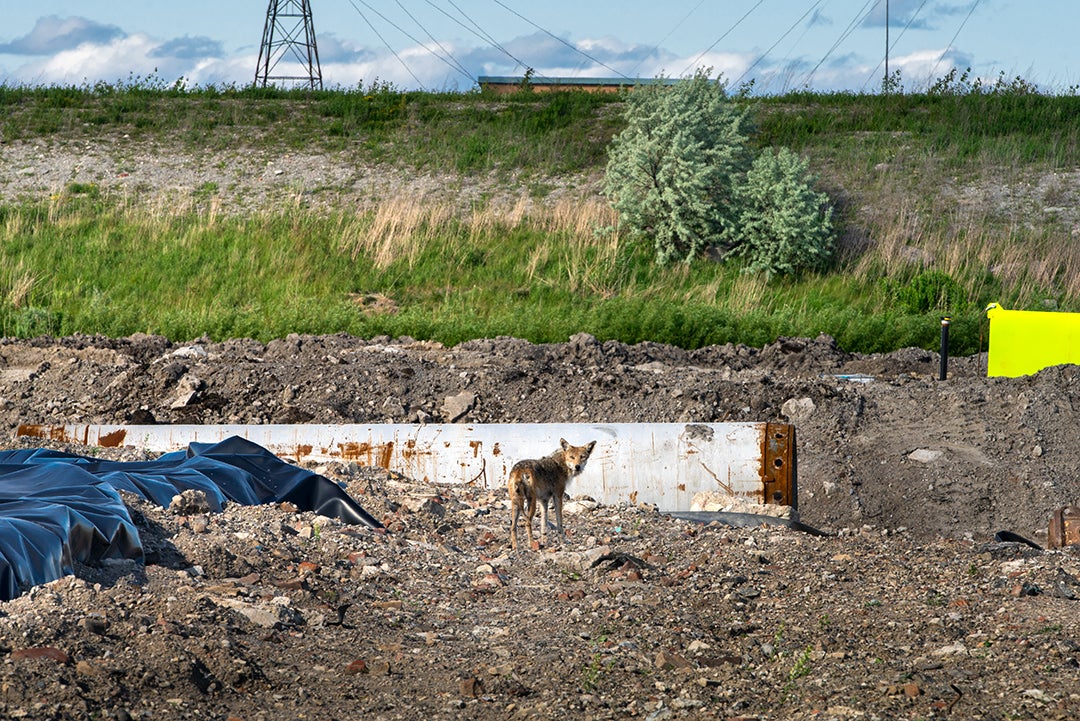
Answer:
(925, 455)
(668, 660)
(86, 668)
(798, 409)
(96, 623)
(455, 407)
(379, 667)
(189, 503)
(192, 352)
(394, 605)
(1039, 695)
(269, 611)
(471, 687)
(954, 649)
(271, 615)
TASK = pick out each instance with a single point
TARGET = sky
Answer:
(445, 45)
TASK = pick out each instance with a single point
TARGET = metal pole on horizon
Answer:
(289, 36)
(885, 81)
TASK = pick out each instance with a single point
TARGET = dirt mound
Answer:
(908, 608)
(992, 453)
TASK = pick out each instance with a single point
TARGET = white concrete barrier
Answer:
(665, 464)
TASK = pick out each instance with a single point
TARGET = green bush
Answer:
(682, 174)
(785, 226)
(672, 172)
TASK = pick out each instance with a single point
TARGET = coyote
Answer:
(543, 480)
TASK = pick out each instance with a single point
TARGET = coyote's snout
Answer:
(543, 480)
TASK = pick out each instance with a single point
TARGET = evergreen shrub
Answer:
(785, 226)
(672, 172)
(682, 174)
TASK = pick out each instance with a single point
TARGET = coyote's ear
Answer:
(563, 443)
(590, 446)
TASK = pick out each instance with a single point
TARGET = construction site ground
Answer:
(909, 606)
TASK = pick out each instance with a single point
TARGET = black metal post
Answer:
(943, 371)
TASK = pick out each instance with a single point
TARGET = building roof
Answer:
(504, 82)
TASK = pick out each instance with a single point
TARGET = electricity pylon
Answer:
(289, 37)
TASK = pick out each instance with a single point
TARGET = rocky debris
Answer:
(880, 440)
(190, 502)
(912, 605)
(456, 406)
(720, 502)
(270, 613)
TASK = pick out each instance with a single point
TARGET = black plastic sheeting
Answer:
(57, 508)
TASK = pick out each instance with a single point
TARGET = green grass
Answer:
(470, 132)
(897, 165)
(84, 265)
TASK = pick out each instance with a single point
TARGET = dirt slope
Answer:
(908, 609)
(967, 456)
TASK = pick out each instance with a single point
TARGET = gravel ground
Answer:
(245, 180)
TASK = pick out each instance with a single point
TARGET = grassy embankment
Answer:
(913, 176)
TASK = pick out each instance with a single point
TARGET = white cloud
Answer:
(52, 34)
(914, 14)
(232, 70)
(198, 60)
(920, 69)
(91, 62)
(333, 49)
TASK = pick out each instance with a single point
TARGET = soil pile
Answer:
(908, 608)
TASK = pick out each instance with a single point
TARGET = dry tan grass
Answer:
(594, 236)
(397, 228)
(707, 293)
(16, 224)
(968, 243)
(402, 227)
(578, 218)
(20, 283)
(749, 293)
(538, 257)
(897, 244)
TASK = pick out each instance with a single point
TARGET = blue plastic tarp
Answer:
(58, 508)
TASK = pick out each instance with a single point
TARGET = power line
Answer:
(478, 31)
(556, 37)
(948, 47)
(410, 37)
(670, 33)
(717, 42)
(861, 15)
(456, 65)
(388, 46)
(894, 42)
(780, 40)
(798, 41)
